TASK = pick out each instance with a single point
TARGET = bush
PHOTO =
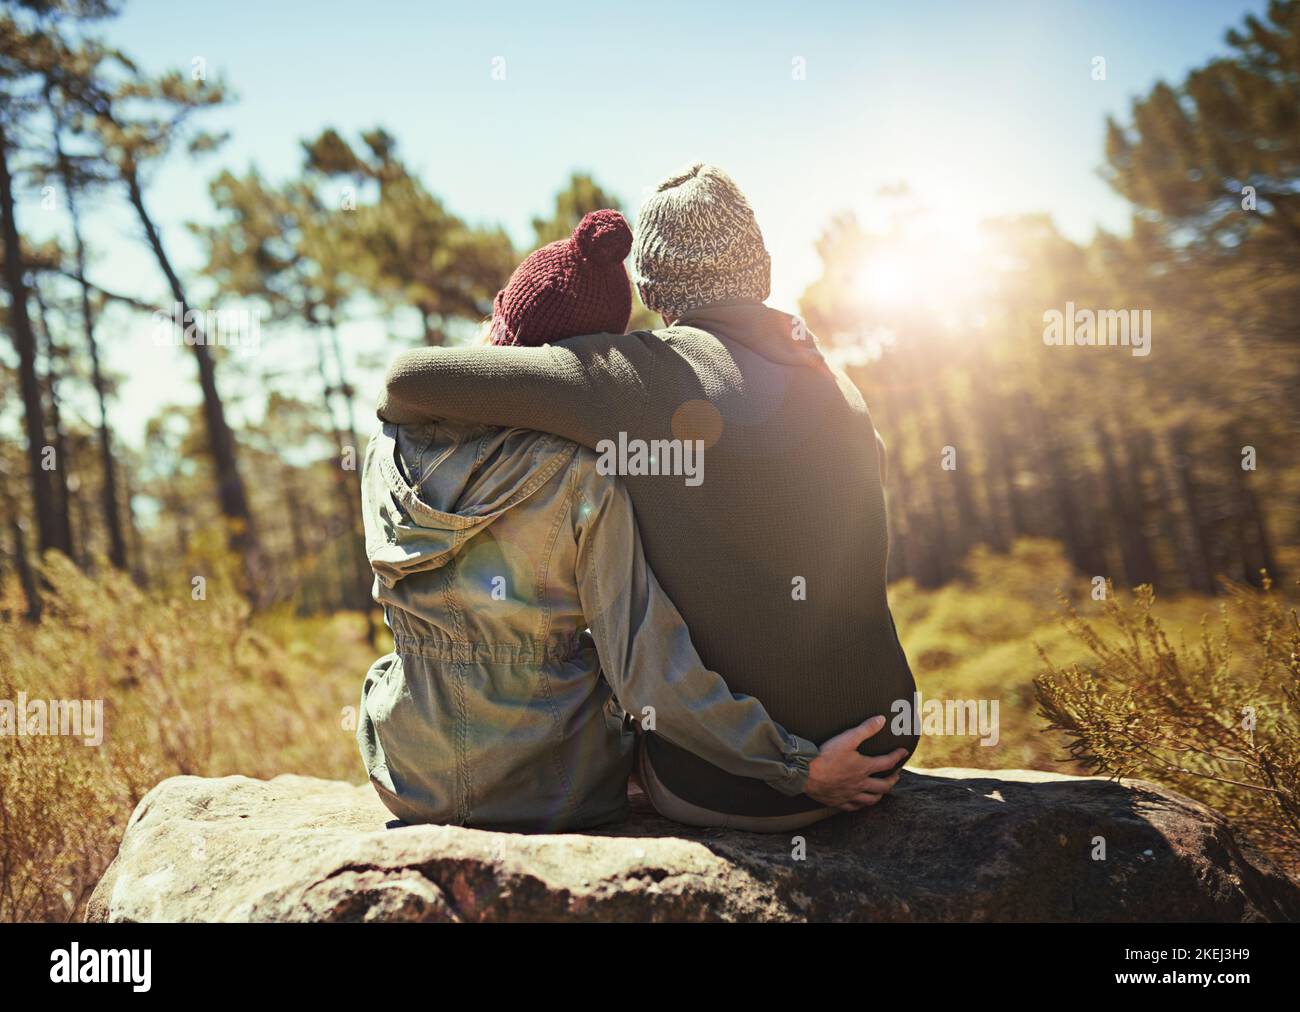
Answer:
(1216, 720)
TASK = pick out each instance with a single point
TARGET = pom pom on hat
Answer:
(604, 237)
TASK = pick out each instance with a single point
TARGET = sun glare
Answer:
(943, 274)
(887, 281)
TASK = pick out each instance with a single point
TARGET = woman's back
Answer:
(491, 710)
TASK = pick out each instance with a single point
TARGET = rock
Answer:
(948, 845)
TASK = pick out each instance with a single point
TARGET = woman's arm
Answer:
(646, 652)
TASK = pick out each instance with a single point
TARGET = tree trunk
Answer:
(1071, 525)
(902, 563)
(1257, 546)
(344, 387)
(140, 565)
(48, 528)
(1193, 550)
(112, 515)
(1143, 472)
(351, 583)
(1008, 522)
(221, 441)
(26, 577)
(63, 501)
(433, 335)
(942, 561)
(1139, 564)
(972, 527)
(358, 534)
(305, 590)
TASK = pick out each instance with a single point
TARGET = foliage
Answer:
(404, 244)
(1218, 719)
(1234, 123)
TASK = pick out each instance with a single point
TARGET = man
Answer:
(774, 550)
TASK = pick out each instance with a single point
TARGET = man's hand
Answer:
(841, 777)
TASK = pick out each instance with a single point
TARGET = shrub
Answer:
(1216, 719)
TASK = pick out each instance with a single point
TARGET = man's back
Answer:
(776, 558)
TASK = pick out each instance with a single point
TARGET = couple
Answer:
(557, 627)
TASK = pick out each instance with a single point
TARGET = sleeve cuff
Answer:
(799, 754)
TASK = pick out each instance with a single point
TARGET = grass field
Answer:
(201, 687)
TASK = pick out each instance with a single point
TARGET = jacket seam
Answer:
(539, 589)
(464, 802)
(557, 724)
(446, 650)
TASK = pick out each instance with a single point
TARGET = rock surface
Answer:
(948, 845)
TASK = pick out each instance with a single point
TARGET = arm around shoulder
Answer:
(584, 389)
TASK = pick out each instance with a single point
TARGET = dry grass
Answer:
(203, 687)
(980, 638)
(1127, 686)
(189, 686)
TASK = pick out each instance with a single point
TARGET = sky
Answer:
(981, 109)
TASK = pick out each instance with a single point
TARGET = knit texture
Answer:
(698, 244)
(569, 287)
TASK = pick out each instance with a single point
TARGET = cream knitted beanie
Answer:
(698, 244)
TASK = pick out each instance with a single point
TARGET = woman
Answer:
(494, 551)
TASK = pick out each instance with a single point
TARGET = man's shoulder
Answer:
(634, 340)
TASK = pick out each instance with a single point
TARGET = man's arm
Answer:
(585, 389)
(646, 652)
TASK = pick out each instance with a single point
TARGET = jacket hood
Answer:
(437, 486)
(777, 336)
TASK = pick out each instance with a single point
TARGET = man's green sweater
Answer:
(776, 559)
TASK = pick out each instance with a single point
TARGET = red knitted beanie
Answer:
(574, 286)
